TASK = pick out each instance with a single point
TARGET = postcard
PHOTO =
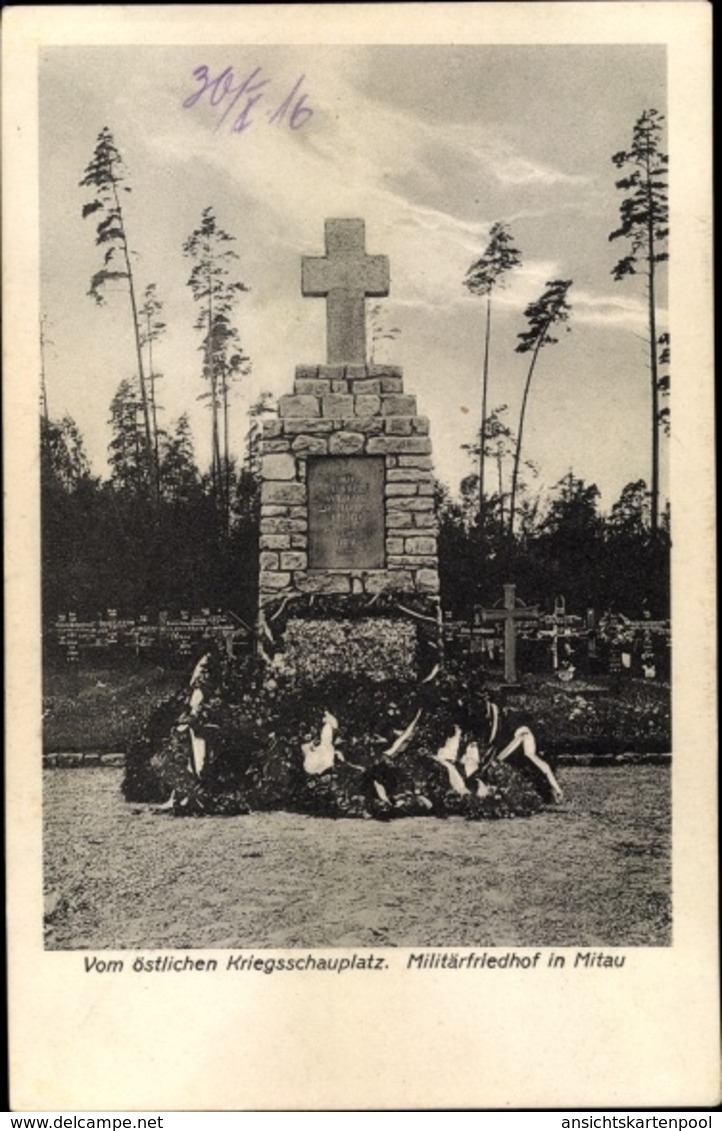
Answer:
(360, 561)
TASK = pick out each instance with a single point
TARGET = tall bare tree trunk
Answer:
(517, 453)
(651, 300)
(138, 349)
(43, 385)
(484, 396)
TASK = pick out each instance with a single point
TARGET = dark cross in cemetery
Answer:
(510, 616)
(591, 632)
(558, 620)
(345, 277)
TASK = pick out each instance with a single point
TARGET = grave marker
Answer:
(510, 616)
(347, 494)
(345, 276)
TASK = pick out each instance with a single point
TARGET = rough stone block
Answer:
(367, 404)
(370, 425)
(268, 559)
(357, 585)
(398, 425)
(395, 404)
(306, 372)
(425, 519)
(428, 487)
(272, 510)
(271, 447)
(390, 579)
(294, 559)
(423, 463)
(396, 445)
(413, 561)
(310, 445)
(420, 425)
(427, 580)
(337, 404)
(286, 494)
(285, 526)
(332, 372)
(346, 444)
(313, 387)
(275, 541)
(392, 385)
(322, 583)
(279, 467)
(398, 520)
(423, 503)
(400, 488)
(420, 544)
(295, 426)
(383, 369)
(291, 405)
(299, 541)
(410, 475)
(274, 580)
(340, 385)
(272, 429)
(365, 387)
(394, 545)
(356, 372)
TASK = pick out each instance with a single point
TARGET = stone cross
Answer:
(511, 616)
(345, 276)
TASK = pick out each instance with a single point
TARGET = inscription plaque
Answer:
(346, 512)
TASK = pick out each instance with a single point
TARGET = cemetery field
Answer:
(593, 872)
(99, 708)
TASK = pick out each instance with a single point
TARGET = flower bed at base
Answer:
(256, 732)
(256, 736)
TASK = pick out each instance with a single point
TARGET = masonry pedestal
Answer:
(348, 539)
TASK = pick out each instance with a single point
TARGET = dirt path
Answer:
(594, 872)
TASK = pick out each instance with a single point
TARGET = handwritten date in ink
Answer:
(240, 99)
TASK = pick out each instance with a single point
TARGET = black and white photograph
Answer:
(362, 535)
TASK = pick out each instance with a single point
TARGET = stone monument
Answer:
(348, 554)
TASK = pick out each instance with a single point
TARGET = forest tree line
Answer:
(113, 544)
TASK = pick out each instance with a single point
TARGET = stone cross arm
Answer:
(345, 277)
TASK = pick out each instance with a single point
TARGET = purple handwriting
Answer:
(239, 99)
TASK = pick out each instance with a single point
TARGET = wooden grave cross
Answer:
(345, 276)
(560, 612)
(511, 616)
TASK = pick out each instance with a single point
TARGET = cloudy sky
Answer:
(430, 146)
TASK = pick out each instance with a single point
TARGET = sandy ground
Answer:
(594, 872)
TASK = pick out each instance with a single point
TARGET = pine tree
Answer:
(223, 358)
(63, 459)
(106, 175)
(549, 310)
(482, 277)
(179, 475)
(152, 328)
(126, 450)
(644, 215)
